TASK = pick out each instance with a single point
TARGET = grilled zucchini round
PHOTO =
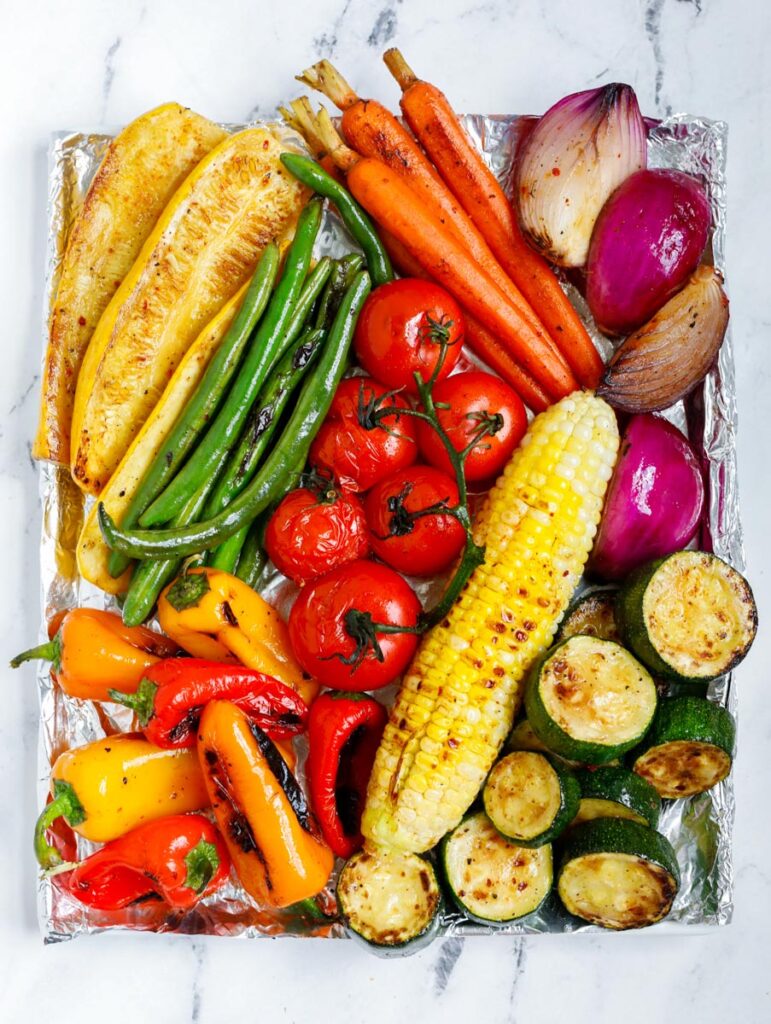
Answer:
(689, 617)
(593, 613)
(616, 793)
(531, 798)
(490, 879)
(589, 700)
(689, 748)
(617, 874)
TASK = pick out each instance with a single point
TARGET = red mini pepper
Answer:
(179, 859)
(174, 692)
(344, 731)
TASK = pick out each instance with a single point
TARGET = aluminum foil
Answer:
(699, 829)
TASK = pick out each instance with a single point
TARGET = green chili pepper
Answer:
(312, 406)
(206, 397)
(267, 345)
(355, 219)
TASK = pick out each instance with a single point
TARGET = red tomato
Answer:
(333, 626)
(315, 529)
(419, 545)
(358, 447)
(471, 400)
(401, 328)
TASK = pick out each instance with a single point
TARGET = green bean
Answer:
(310, 409)
(265, 347)
(206, 397)
(355, 219)
(343, 273)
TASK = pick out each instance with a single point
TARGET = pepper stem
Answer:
(65, 804)
(142, 702)
(202, 863)
(49, 651)
(187, 590)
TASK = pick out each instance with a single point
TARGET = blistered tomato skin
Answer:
(415, 544)
(401, 330)
(356, 446)
(463, 403)
(320, 619)
(312, 532)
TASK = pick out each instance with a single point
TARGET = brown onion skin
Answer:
(666, 358)
(648, 240)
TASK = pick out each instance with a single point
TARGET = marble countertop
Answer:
(91, 63)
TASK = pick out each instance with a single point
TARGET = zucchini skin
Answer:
(554, 736)
(570, 798)
(631, 622)
(621, 786)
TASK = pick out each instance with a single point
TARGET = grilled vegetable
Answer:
(214, 615)
(689, 748)
(531, 798)
(615, 792)
(92, 651)
(94, 556)
(141, 170)
(667, 357)
(655, 499)
(460, 696)
(589, 699)
(205, 245)
(438, 128)
(173, 692)
(592, 614)
(689, 617)
(617, 874)
(389, 900)
(272, 836)
(179, 859)
(110, 786)
(490, 879)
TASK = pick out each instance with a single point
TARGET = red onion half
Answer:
(647, 241)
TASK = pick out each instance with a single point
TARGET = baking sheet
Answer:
(700, 828)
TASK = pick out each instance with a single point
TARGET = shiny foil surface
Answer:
(699, 828)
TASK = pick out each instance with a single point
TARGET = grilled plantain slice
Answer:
(92, 553)
(140, 172)
(204, 247)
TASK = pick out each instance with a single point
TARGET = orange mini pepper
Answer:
(273, 838)
(92, 652)
(215, 615)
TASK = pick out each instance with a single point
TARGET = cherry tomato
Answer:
(333, 626)
(402, 535)
(401, 328)
(315, 529)
(356, 444)
(471, 400)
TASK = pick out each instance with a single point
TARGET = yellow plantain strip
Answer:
(141, 170)
(92, 553)
(204, 247)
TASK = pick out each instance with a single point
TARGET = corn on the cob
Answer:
(458, 699)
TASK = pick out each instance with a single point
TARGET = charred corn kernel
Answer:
(463, 689)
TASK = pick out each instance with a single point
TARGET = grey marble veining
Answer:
(87, 64)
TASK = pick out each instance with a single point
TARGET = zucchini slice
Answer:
(531, 798)
(589, 700)
(617, 874)
(490, 879)
(689, 748)
(689, 617)
(390, 900)
(617, 793)
(522, 737)
(592, 614)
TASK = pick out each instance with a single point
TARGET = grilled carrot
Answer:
(479, 339)
(372, 131)
(391, 202)
(301, 118)
(438, 129)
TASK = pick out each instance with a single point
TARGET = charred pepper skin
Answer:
(179, 859)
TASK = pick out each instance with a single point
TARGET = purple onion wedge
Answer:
(654, 502)
(647, 241)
